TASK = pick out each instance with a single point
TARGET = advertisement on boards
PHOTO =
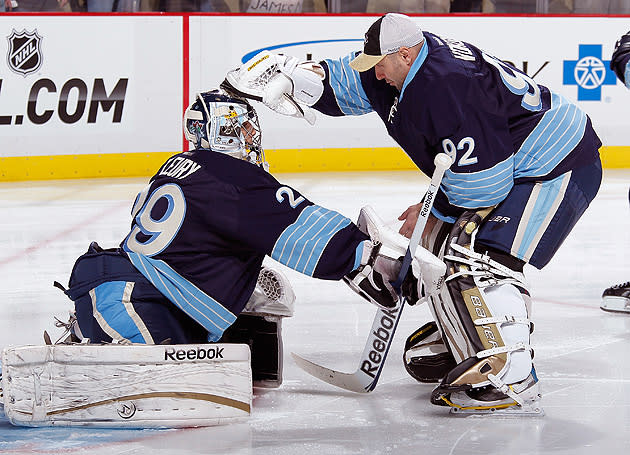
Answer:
(73, 85)
(568, 54)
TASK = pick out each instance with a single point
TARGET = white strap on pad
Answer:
(133, 386)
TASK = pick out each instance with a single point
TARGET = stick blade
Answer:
(354, 382)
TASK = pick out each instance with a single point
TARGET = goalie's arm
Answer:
(331, 86)
(278, 221)
(343, 92)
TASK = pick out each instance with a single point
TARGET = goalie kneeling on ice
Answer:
(141, 386)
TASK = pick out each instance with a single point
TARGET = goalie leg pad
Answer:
(263, 334)
(483, 313)
(133, 386)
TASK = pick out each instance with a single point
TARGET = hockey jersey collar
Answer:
(415, 67)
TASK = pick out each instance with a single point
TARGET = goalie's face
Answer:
(224, 124)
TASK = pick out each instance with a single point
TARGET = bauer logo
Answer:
(198, 353)
(589, 72)
(25, 53)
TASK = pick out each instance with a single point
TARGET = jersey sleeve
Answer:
(343, 93)
(279, 221)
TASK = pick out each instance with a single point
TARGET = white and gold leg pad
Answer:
(483, 313)
(130, 386)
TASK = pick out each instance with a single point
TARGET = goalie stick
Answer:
(379, 341)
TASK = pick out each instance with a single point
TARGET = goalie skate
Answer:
(522, 398)
(616, 299)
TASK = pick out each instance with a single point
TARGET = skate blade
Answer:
(516, 411)
(615, 304)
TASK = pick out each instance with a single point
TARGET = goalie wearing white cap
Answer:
(190, 272)
(525, 168)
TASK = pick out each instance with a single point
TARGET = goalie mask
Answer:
(225, 124)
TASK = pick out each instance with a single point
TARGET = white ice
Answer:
(581, 352)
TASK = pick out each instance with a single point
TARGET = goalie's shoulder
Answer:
(218, 167)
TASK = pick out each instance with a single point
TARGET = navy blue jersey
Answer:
(205, 222)
(497, 124)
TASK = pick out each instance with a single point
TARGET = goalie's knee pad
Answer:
(426, 357)
(273, 294)
(483, 313)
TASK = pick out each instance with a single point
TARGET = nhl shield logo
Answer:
(25, 52)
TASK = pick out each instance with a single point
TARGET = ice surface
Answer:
(581, 352)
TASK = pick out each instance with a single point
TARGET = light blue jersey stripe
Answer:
(556, 135)
(108, 298)
(346, 85)
(539, 213)
(479, 189)
(213, 316)
(626, 75)
(415, 67)
(300, 246)
(358, 255)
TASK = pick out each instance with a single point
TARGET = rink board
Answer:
(113, 106)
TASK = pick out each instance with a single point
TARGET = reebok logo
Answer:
(427, 203)
(379, 339)
(199, 353)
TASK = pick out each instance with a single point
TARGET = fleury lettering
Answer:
(179, 168)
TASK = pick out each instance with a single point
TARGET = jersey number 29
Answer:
(162, 231)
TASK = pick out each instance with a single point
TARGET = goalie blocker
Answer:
(163, 386)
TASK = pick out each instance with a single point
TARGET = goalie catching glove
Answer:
(380, 264)
(281, 82)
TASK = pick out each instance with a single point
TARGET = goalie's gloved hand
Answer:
(426, 274)
(620, 56)
(372, 278)
(300, 79)
(410, 287)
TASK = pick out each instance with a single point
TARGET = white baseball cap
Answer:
(385, 36)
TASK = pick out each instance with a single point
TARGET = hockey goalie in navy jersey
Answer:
(525, 167)
(191, 268)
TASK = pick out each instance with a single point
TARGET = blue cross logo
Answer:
(589, 73)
